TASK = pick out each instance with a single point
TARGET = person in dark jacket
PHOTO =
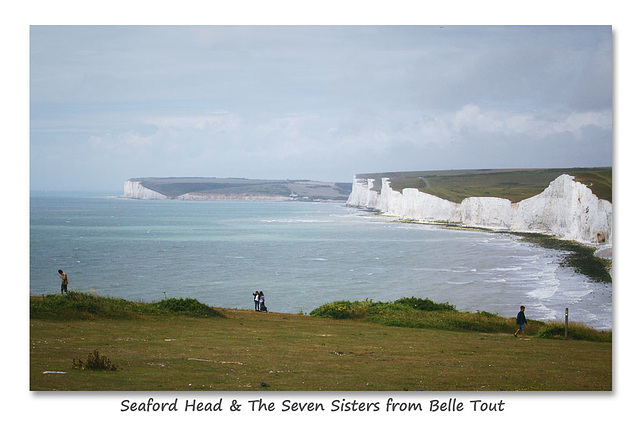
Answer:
(520, 320)
(263, 307)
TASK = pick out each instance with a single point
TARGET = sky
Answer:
(108, 103)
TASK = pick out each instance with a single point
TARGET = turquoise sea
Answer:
(301, 255)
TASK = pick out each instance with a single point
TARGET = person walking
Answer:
(520, 320)
(65, 282)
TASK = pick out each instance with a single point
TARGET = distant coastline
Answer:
(235, 189)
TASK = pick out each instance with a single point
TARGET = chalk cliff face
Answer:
(135, 190)
(567, 209)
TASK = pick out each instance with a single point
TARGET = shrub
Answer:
(95, 362)
(425, 304)
(343, 310)
(187, 306)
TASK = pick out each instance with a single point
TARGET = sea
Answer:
(300, 254)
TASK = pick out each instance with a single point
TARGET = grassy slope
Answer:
(511, 184)
(242, 349)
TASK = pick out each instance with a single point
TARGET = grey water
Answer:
(300, 254)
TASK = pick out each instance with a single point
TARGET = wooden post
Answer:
(566, 322)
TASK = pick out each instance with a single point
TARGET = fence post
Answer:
(566, 322)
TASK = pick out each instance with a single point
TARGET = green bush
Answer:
(425, 304)
(187, 306)
(343, 310)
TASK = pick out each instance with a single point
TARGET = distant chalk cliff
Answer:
(135, 190)
(234, 189)
(566, 208)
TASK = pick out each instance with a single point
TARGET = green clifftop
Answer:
(512, 184)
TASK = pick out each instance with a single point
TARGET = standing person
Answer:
(263, 307)
(256, 301)
(520, 320)
(65, 282)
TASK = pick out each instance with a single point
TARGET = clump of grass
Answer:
(77, 305)
(95, 362)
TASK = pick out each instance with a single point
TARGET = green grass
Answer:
(426, 314)
(163, 351)
(512, 184)
(77, 305)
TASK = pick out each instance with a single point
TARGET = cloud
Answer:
(472, 119)
(209, 141)
(315, 102)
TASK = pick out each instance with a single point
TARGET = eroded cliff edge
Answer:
(566, 209)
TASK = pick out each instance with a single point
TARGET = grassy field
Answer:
(512, 184)
(158, 348)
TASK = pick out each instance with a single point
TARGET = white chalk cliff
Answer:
(135, 190)
(566, 208)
